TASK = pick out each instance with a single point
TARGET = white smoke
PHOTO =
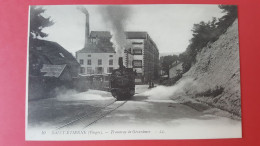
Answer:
(64, 94)
(167, 93)
(116, 17)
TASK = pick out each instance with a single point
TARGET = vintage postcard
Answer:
(131, 72)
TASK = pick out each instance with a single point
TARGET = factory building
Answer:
(145, 56)
(99, 56)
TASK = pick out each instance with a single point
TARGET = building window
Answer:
(99, 70)
(89, 61)
(82, 70)
(89, 70)
(110, 61)
(137, 63)
(137, 51)
(81, 61)
(99, 61)
(127, 50)
(106, 78)
(110, 69)
(89, 55)
(137, 43)
(110, 55)
(139, 75)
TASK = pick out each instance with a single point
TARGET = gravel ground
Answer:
(53, 112)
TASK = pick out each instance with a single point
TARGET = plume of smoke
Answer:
(82, 9)
(167, 92)
(64, 94)
(116, 17)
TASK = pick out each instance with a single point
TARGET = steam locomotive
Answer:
(122, 82)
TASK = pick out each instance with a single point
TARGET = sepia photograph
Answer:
(133, 72)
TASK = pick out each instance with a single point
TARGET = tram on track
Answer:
(122, 82)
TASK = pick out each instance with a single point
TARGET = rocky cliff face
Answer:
(216, 74)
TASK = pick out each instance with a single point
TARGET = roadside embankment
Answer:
(216, 74)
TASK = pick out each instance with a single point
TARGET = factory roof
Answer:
(136, 34)
(104, 47)
(93, 48)
(98, 34)
(129, 34)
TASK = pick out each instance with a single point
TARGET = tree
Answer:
(167, 62)
(38, 22)
(203, 33)
(229, 18)
(186, 59)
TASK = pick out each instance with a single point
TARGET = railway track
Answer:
(87, 120)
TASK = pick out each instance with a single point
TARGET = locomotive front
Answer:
(122, 82)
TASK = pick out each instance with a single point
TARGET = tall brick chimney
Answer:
(85, 11)
(87, 28)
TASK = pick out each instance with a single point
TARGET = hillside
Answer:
(216, 73)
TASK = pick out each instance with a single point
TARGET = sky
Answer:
(168, 25)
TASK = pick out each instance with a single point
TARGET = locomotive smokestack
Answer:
(120, 62)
